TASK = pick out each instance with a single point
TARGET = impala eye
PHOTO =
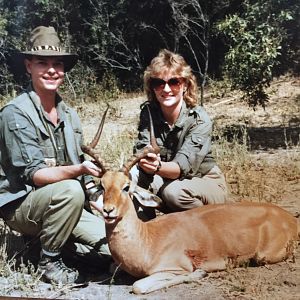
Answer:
(126, 188)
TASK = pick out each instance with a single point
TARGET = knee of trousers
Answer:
(177, 198)
(71, 189)
(171, 196)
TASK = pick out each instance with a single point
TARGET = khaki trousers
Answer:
(56, 213)
(179, 195)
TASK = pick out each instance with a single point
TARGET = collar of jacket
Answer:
(37, 101)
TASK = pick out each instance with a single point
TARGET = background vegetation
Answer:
(248, 42)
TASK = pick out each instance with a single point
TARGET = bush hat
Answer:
(44, 41)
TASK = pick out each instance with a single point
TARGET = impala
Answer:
(183, 246)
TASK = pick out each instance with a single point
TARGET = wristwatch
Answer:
(158, 167)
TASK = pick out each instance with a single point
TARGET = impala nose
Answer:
(108, 209)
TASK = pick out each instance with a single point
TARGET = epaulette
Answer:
(144, 104)
(200, 113)
(196, 110)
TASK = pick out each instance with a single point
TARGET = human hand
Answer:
(151, 163)
(91, 169)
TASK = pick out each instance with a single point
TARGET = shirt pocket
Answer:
(19, 153)
(45, 143)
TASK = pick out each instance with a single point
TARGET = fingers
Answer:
(152, 155)
(88, 164)
(91, 169)
(150, 163)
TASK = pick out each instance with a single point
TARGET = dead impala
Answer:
(183, 246)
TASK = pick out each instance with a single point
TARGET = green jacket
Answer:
(27, 143)
(188, 143)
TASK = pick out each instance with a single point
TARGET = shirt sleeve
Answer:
(196, 145)
(143, 131)
(20, 147)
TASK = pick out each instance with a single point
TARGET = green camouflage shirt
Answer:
(29, 142)
(187, 143)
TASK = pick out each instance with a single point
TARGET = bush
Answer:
(254, 39)
(82, 84)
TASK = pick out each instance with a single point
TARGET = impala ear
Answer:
(144, 197)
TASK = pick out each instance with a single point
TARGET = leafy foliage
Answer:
(255, 37)
(121, 37)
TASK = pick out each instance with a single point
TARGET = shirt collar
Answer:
(184, 112)
(182, 116)
(60, 105)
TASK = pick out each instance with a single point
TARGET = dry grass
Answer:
(257, 177)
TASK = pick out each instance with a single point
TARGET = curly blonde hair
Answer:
(169, 61)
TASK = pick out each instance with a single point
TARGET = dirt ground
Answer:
(275, 136)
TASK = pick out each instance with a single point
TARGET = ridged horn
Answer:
(89, 149)
(152, 148)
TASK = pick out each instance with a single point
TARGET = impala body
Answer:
(207, 238)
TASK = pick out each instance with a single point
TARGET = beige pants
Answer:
(179, 195)
(55, 212)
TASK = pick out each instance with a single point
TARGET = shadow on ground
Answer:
(26, 250)
(263, 138)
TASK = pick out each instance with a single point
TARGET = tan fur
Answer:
(206, 238)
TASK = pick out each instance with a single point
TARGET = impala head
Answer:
(118, 191)
(116, 185)
(116, 188)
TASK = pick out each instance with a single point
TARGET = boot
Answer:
(54, 270)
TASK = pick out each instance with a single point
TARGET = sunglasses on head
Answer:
(159, 84)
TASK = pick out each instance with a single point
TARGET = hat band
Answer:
(46, 47)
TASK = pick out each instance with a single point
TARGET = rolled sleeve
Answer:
(21, 152)
(183, 163)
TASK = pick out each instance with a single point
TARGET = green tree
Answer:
(255, 39)
(121, 37)
(125, 35)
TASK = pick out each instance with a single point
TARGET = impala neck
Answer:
(128, 220)
(126, 248)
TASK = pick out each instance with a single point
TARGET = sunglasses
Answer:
(159, 84)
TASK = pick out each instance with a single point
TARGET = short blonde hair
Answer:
(167, 60)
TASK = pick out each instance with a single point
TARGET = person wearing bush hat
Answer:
(45, 179)
(43, 42)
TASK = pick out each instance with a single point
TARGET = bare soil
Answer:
(274, 138)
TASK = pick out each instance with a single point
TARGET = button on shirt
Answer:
(58, 140)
